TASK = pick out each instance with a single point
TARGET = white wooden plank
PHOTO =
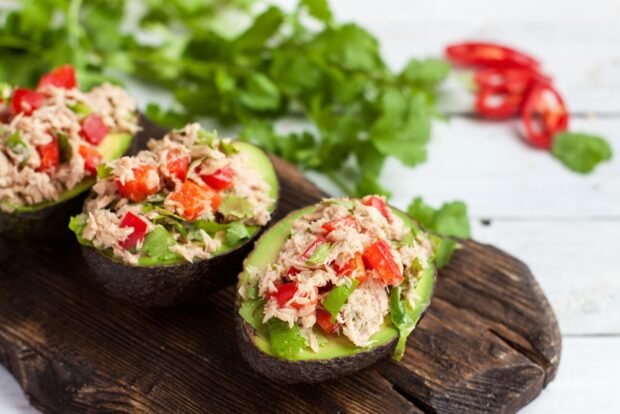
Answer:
(488, 166)
(12, 398)
(576, 263)
(587, 381)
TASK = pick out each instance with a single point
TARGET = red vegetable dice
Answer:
(348, 221)
(94, 130)
(324, 320)
(177, 164)
(25, 101)
(378, 257)
(49, 155)
(139, 227)
(92, 159)
(379, 204)
(61, 77)
(354, 267)
(192, 200)
(220, 179)
(144, 183)
(285, 293)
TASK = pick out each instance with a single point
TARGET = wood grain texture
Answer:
(489, 342)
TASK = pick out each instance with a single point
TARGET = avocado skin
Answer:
(284, 371)
(48, 223)
(166, 285)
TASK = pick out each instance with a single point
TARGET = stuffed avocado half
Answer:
(52, 140)
(332, 288)
(175, 221)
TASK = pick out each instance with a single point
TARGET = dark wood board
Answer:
(488, 343)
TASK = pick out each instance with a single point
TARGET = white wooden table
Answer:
(564, 226)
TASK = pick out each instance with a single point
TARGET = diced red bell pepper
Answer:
(177, 164)
(144, 183)
(139, 227)
(61, 77)
(324, 320)
(348, 221)
(313, 246)
(193, 200)
(49, 155)
(292, 271)
(378, 257)
(285, 293)
(221, 179)
(94, 130)
(354, 267)
(26, 101)
(379, 204)
(489, 55)
(544, 115)
(92, 159)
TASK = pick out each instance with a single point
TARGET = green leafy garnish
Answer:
(104, 171)
(581, 152)
(320, 255)
(252, 311)
(15, 142)
(157, 244)
(64, 147)
(235, 207)
(338, 296)
(450, 220)
(77, 224)
(286, 342)
(236, 232)
(404, 319)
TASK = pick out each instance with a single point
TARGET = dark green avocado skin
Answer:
(45, 224)
(283, 371)
(168, 285)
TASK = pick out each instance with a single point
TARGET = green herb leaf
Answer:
(77, 224)
(319, 9)
(16, 143)
(234, 207)
(64, 147)
(252, 311)
(286, 342)
(581, 152)
(104, 171)
(236, 232)
(338, 296)
(157, 243)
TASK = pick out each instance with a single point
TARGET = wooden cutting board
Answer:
(489, 342)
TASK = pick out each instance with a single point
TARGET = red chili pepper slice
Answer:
(61, 77)
(49, 155)
(544, 114)
(489, 55)
(498, 102)
(26, 101)
(94, 130)
(378, 257)
(221, 179)
(313, 246)
(514, 80)
(139, 230)
(92, 159)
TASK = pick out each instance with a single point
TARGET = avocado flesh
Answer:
(112, 147)
(258, 160)
(266, 252)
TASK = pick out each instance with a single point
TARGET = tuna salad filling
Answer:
(348, 269)
(189, 197)
(52, 139)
